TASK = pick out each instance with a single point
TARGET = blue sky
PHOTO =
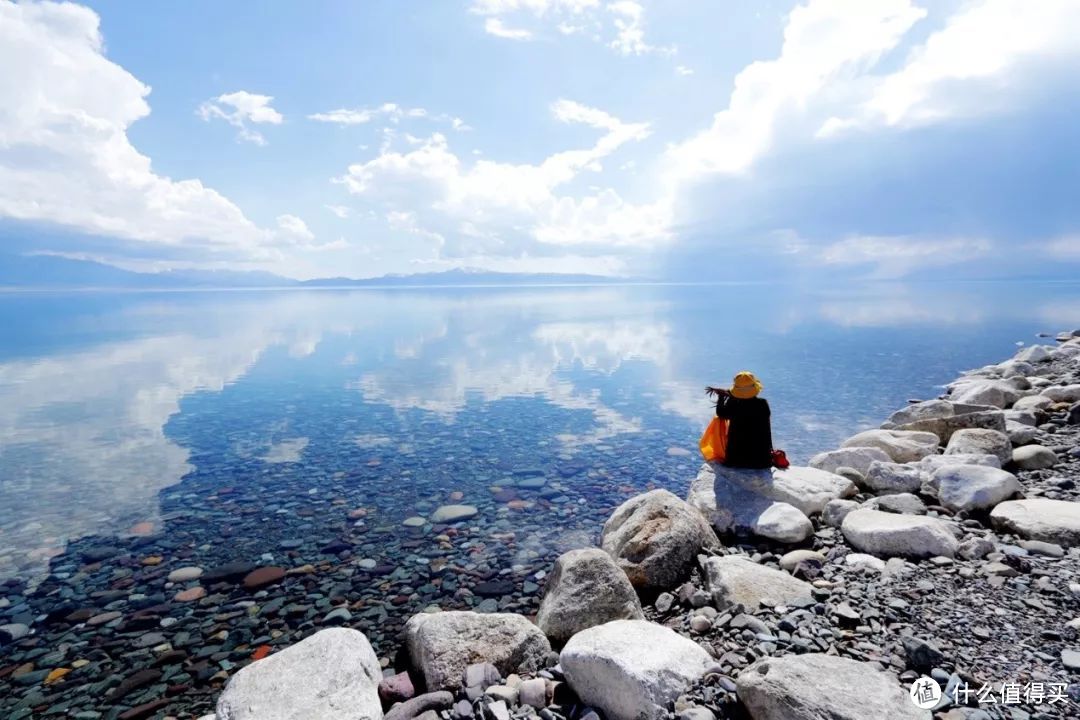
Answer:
(682, 138)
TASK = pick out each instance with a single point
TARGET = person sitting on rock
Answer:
(749, 435)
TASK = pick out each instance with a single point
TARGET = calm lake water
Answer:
(249, 423)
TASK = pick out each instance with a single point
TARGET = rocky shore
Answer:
(944, 546)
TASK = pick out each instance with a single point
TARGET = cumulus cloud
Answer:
(495, 26)
(629, 22)
(240, 109)
(500, 208)
(391, 112)
(65, 156)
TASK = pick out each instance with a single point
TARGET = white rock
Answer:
(732, 579)
(585, 588)
(791, 559)
(1019, 433)
(1053, 521)
(185, 574)
(453, 513)
(900, 445)
(853, 457)
(974, 487)
(442, 644)
(632, 669)
(1023, 417)
(891, 535)
(925, 410)
(943, 418)
(783, 523)
(999, 393)
(862, 561)
(980, 442)
(890, 477)
(1032, 403)
(836, 510)
(1034, 457)
(823, 687)
(331, 675)
(1062, 393)
(655, 539)
(933, 462)
(1034, 354)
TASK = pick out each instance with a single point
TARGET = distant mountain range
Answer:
(50, 271)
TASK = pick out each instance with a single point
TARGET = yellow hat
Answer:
(745, 385)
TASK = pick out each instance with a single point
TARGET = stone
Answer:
(921, 654)
(655, 539)
(442, 644)
(632, 669)
(431, 702)
(332, 675)
(453, 513)
(975, 548)
(695, 712)
(1034, 354)
(783, 523)
(263, 577)
(971, 488)
(736, 580)
(858, 458)
(1062, 393)
(815, 686)
(191, 594)
(185, 574)
(1019, 433)
(1043, 548)
(585, 588)
(931, 463)
(1053, 521)
(901, 503)
(497, 710)
(1033, 403)
(791, 559)
(664, 601)
(13, 631)
(770, 503)
(836, 510)
(396, 688)
(890, 477)
(862, 561)
(533, 692)
(1034, 457)
(229, 572)
(999, 393)
(945, 427)
(900, 445)
(700, 624)
(890, 535)
(1070, 659)
(980, 442)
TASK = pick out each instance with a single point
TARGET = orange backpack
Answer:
(713, 441)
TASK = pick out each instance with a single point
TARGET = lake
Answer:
(321, 428)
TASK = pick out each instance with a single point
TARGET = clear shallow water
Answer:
(229, 423)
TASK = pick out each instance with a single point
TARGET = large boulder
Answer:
(823, 687)
(1062, 393)
(1034, 457)
(783, 523)
(1020, 433)
(858, 458)
(981, 442)
(585, 588)
(736, 580)
(943, 418)
(655, 538)
(331, 675)
(900, 445)
(931, 463)
(1033, 403)
(891, 535)
(890, 477)
(985, 391)
(973, 487)
(442, 644)
(632, 669)
(1034, 354)
(1054, 521)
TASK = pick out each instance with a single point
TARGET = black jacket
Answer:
(749, 440)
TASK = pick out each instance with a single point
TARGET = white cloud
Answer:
(339, 210)
(495, 26)
(66, 155)
(683, 70)
(500, 208)
(240, 108)
(629, 21)
(391, 112)
(537, 7)
(894, 256)
(1063, 248)
(972, 65)
(824, 41)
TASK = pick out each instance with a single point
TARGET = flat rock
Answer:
(986, 391)
(453, 513)
(836, 510)
(900, 445)
(441, 645)
(655, 539)
(819, 687)
(1052, 521)
(585, 588)
(331, 675)
(973, 487)
(981, 442)
(185, 574)
(263, 577)
(732, 579)
(632, 669)
(1034, 457)
(890, 535)
(858, 458)
(1062, 393)
(890, 477)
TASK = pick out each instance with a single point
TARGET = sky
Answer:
(675, 139)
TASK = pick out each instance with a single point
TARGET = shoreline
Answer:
(875, 604)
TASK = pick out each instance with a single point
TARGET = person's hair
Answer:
(715, 391)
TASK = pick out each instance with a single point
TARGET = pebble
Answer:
(190, 595)
(185, 574)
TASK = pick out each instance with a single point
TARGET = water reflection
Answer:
(88, 384)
